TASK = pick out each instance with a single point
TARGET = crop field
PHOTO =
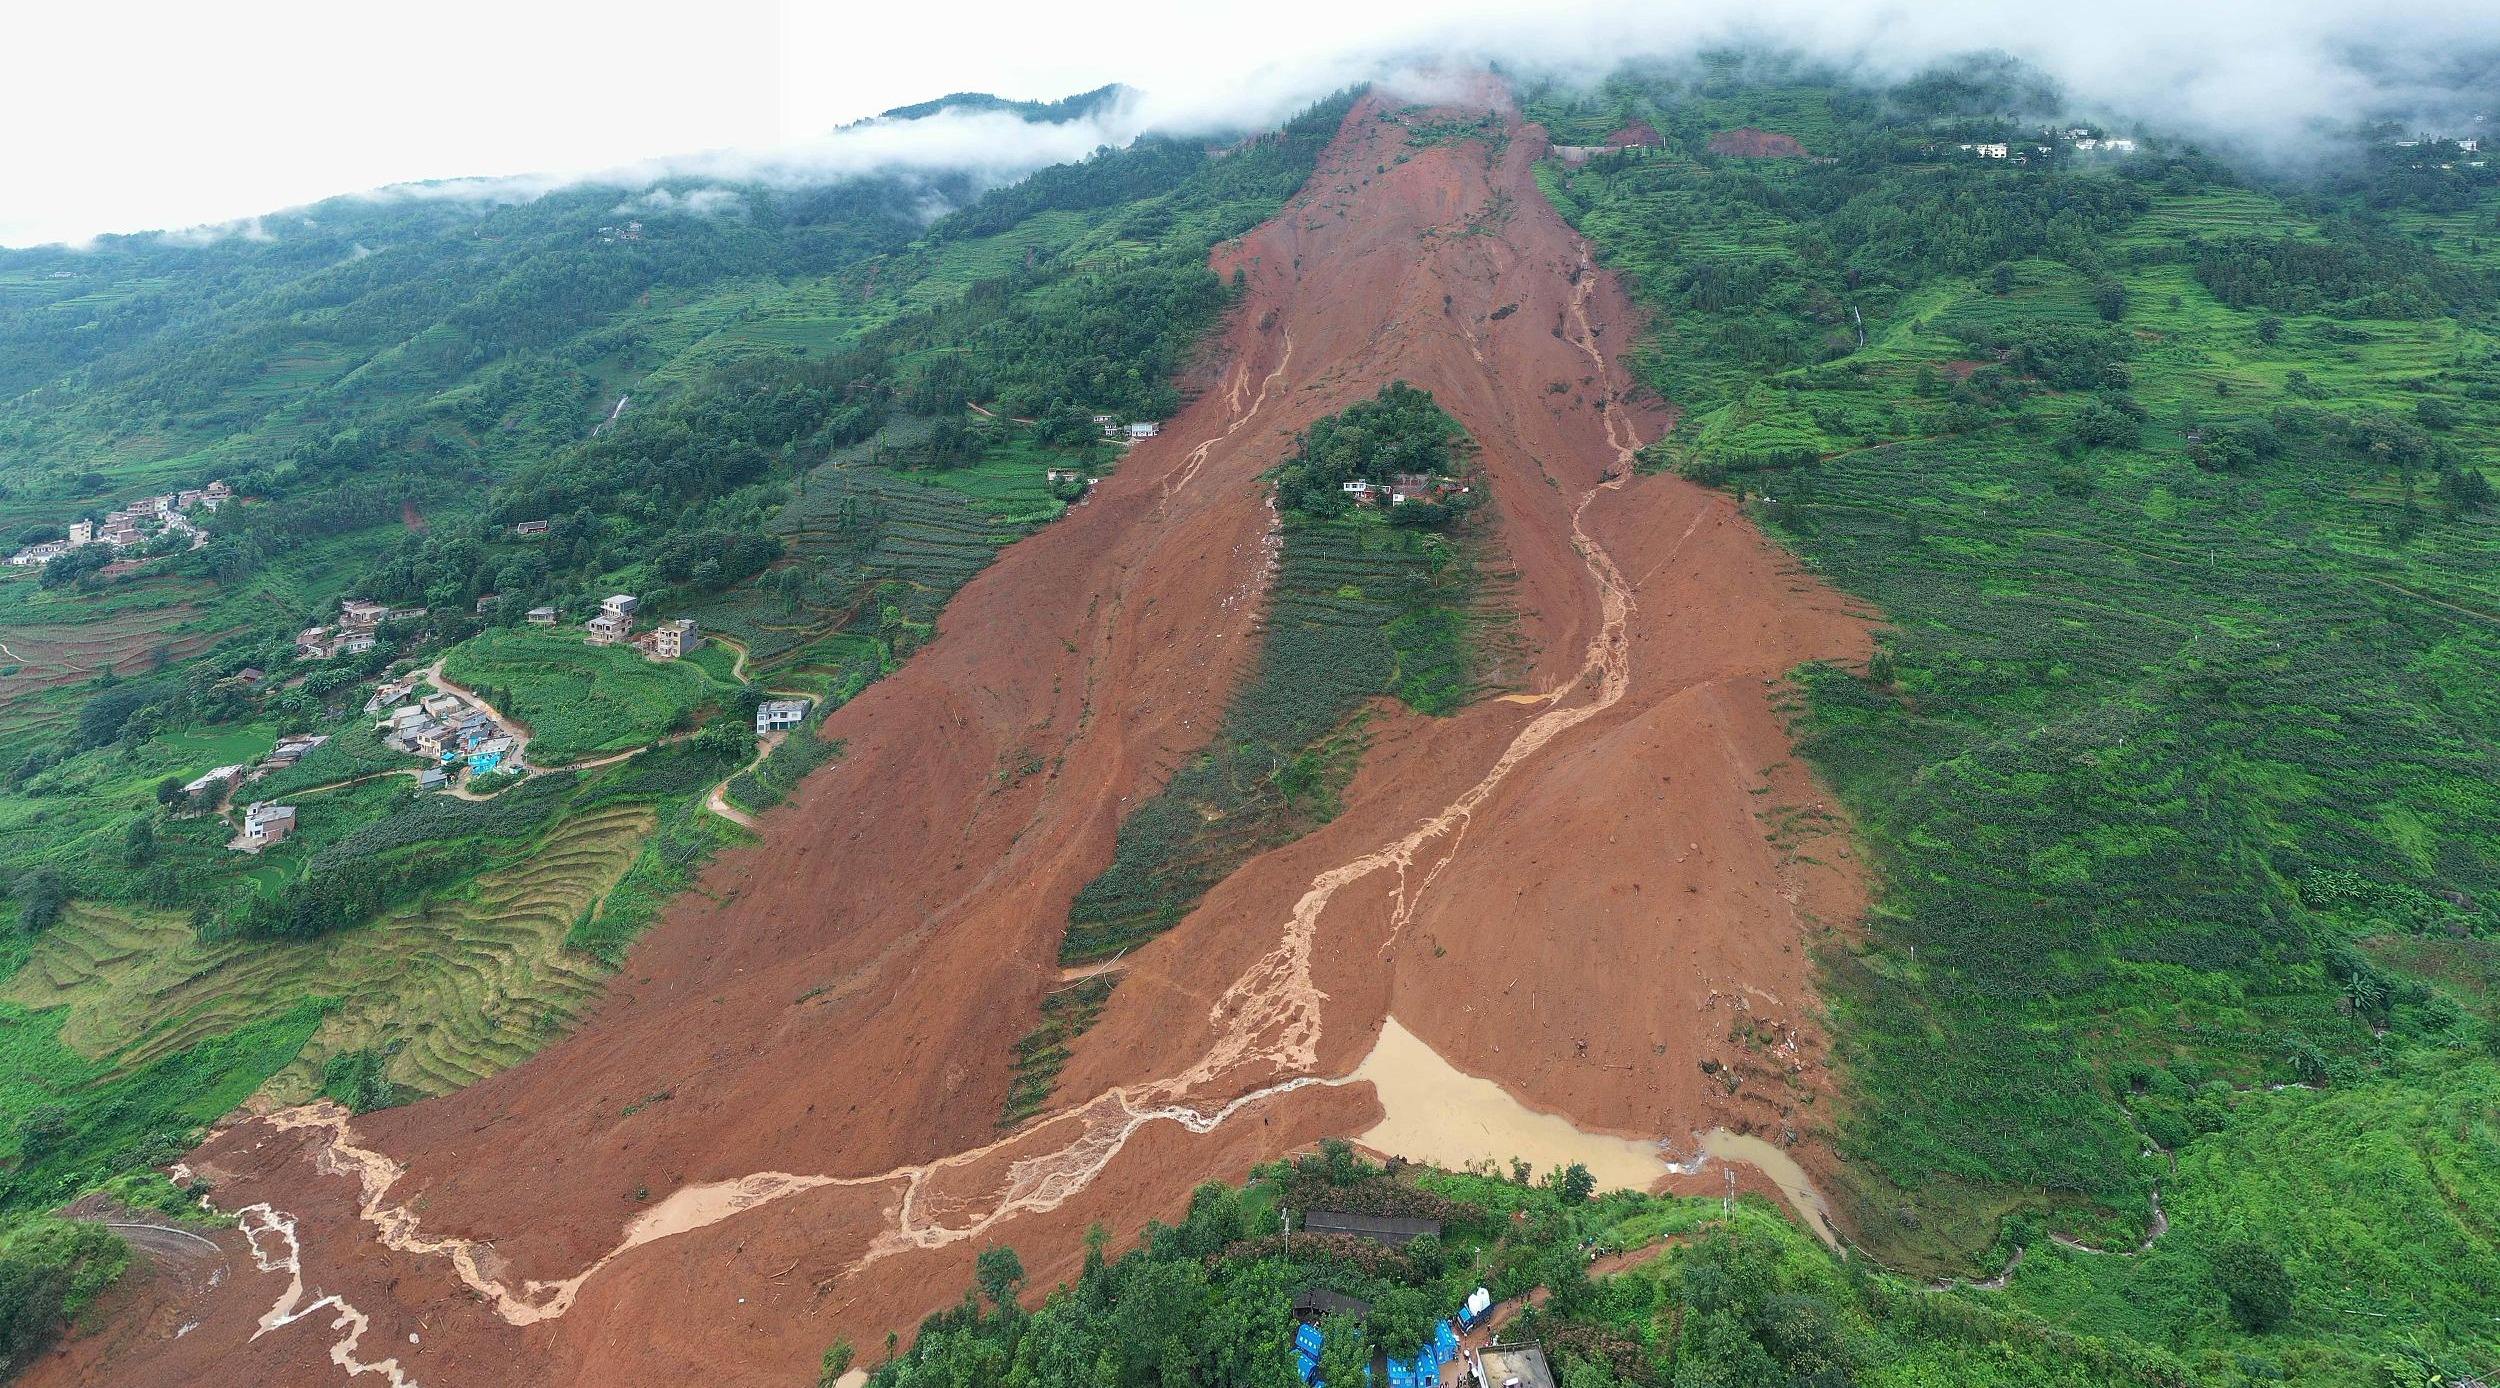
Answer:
(781, 770)
(452, 990)
(2179, 780)
(2371, 1196)
(116, 1117)
(662, 867)
(1041, 1053)
(354, 750)
(41, 664)
(577, 699)
(877, 553)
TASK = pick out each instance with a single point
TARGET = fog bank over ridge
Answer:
(2276, 82)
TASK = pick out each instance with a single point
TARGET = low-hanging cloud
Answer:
(2271, 79)
(2262, 77)
(990, 147)
(694, 202)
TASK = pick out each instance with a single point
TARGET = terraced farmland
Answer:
(40, 660)
(863, 539)
(452, 991)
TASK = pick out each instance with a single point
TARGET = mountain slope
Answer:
(2109, 924)
(892, 957)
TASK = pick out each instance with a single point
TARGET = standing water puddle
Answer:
(1440, 1114)
(1437, 1113)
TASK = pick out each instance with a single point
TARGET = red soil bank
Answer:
(1746, 142)
(1594, 904)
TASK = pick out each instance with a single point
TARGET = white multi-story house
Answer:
(774, 715)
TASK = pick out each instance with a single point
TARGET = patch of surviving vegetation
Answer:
(1392, 591)
(1370, 599)
(1040, 1052)
(1614, 1290)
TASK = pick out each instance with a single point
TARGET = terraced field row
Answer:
(454, 990)
(862, 538)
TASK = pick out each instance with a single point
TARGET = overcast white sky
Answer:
(154, 114)
(130, 116)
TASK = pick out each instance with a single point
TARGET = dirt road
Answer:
(780, 1127)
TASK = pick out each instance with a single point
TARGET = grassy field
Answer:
(579, 699)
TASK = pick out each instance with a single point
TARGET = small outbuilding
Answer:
(1312, 1305)
(1512, 1366)
(1396, 1231)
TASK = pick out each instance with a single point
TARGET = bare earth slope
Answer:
(780, 1126)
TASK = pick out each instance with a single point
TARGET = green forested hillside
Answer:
(2180, 762)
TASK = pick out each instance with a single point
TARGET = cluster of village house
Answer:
(1402, 488)
(359, 620)
(134, 524)
(264, 823)
(354, 633)
(614, 624)
(1131, 433)
(2464, 146)
(2074, 137)
(442, 728)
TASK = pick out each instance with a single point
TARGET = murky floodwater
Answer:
(1440, 1114)
(1783, 1170)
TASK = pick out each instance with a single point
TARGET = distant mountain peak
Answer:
(1058, 112)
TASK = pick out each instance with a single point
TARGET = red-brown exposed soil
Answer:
(1582, 893)
(1745, 142)
(1639, 132)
